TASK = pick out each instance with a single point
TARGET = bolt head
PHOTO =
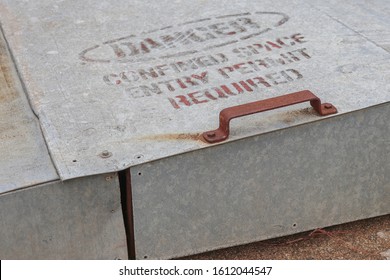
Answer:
(328, 106)
(105, 154)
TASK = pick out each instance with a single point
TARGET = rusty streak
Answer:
(173, 137)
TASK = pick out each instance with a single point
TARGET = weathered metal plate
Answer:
(369, 19)
(76, 219)
(24, 159)
(287, 181)
(143, 83)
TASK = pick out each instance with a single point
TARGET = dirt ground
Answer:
(361, 240)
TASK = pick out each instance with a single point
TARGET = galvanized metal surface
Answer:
(314, 175)
(104, 77)
(24, 159)
(77, 219)
(369, 19)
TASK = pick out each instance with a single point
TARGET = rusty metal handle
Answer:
(222, 133)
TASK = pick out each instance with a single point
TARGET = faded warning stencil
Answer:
(199, 76)
(196, 35)
(204, 78)
(143, 83)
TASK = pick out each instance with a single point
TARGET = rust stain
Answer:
(289, 117)
(8, 90)
(174, 137)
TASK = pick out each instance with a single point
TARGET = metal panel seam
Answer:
(25, 91)
(347, 26)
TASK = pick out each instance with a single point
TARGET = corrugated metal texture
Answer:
(143, 83)
(310, 176)
(24, 159)
(370, 19)
(77, 219)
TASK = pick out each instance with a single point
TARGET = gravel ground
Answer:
(361, 240)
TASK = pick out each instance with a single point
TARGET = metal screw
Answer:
(139, 156)
(328, 106)
(211, 134)
(105, 154)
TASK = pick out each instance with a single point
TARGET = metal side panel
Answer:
(76, 219)
(24, 158)
(288, 181)
(143, 79)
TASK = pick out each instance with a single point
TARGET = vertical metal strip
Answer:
(127, 208)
